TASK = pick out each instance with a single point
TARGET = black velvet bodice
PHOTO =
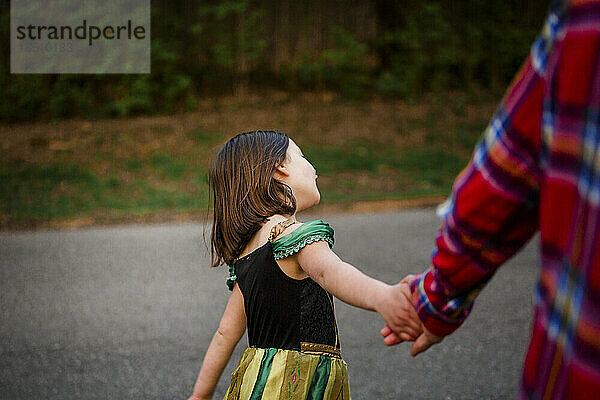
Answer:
(282, 312)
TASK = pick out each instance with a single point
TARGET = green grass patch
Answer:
(422, 163)
(50, 192)
(104, 155)
(355, 156)
(427, 171)
(424, 171)
(40, 191)
(149, 199)
(433, 165)
(167, 166)
(137, 185)
(204, 137)
(133, 164)
(468, 133)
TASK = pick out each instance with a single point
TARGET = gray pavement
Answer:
(128, 312)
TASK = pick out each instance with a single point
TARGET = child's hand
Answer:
(408, 279)
(390, 338)
(396, 308)
(423, 342)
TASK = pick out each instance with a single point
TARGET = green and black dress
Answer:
(294, 350)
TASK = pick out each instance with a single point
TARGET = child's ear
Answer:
(281, 171)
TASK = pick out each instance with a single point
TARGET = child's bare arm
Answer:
(231, 329)
(351, 286)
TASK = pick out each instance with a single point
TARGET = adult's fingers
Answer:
(423, 342)
(420, 345)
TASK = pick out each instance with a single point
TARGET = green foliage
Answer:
(133, 97)
(22, 97)
(69, 97)
(133, 164)
(226, 47)
(207, 48)
(342, 67)
(425, 53)
(505, 44)
(229, 39)
(203, 137)
(473, 44)
(167, 166)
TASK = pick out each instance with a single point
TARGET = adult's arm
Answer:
(493, 209)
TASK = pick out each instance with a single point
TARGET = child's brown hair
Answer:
(245, 193)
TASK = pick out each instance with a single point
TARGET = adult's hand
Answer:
(396, 308)
(424, 341)
(392, 336)
(421, 344)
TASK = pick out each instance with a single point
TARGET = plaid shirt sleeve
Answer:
(493, 209)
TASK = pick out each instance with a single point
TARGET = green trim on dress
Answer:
(307, 233)
(232, 277)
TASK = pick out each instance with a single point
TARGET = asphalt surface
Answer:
(128, 312)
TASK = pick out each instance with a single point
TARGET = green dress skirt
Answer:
(289, 374)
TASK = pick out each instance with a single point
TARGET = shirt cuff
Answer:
(439, 317)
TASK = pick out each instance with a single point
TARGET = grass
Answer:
(137, 172)
(50, 192)
(405, 174)
(204, 137)
(165, 165)
(133, 164)
(355, 156)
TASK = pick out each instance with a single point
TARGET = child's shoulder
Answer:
(291, 241)
(280, 229)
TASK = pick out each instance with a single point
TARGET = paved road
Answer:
(128, 312)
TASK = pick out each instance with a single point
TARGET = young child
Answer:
(282, 276)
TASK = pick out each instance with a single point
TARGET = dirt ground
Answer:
(317, 118)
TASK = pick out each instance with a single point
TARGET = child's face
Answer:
(301, 177)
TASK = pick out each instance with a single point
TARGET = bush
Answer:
(201, 48)
(344, 67)
(425, 53)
